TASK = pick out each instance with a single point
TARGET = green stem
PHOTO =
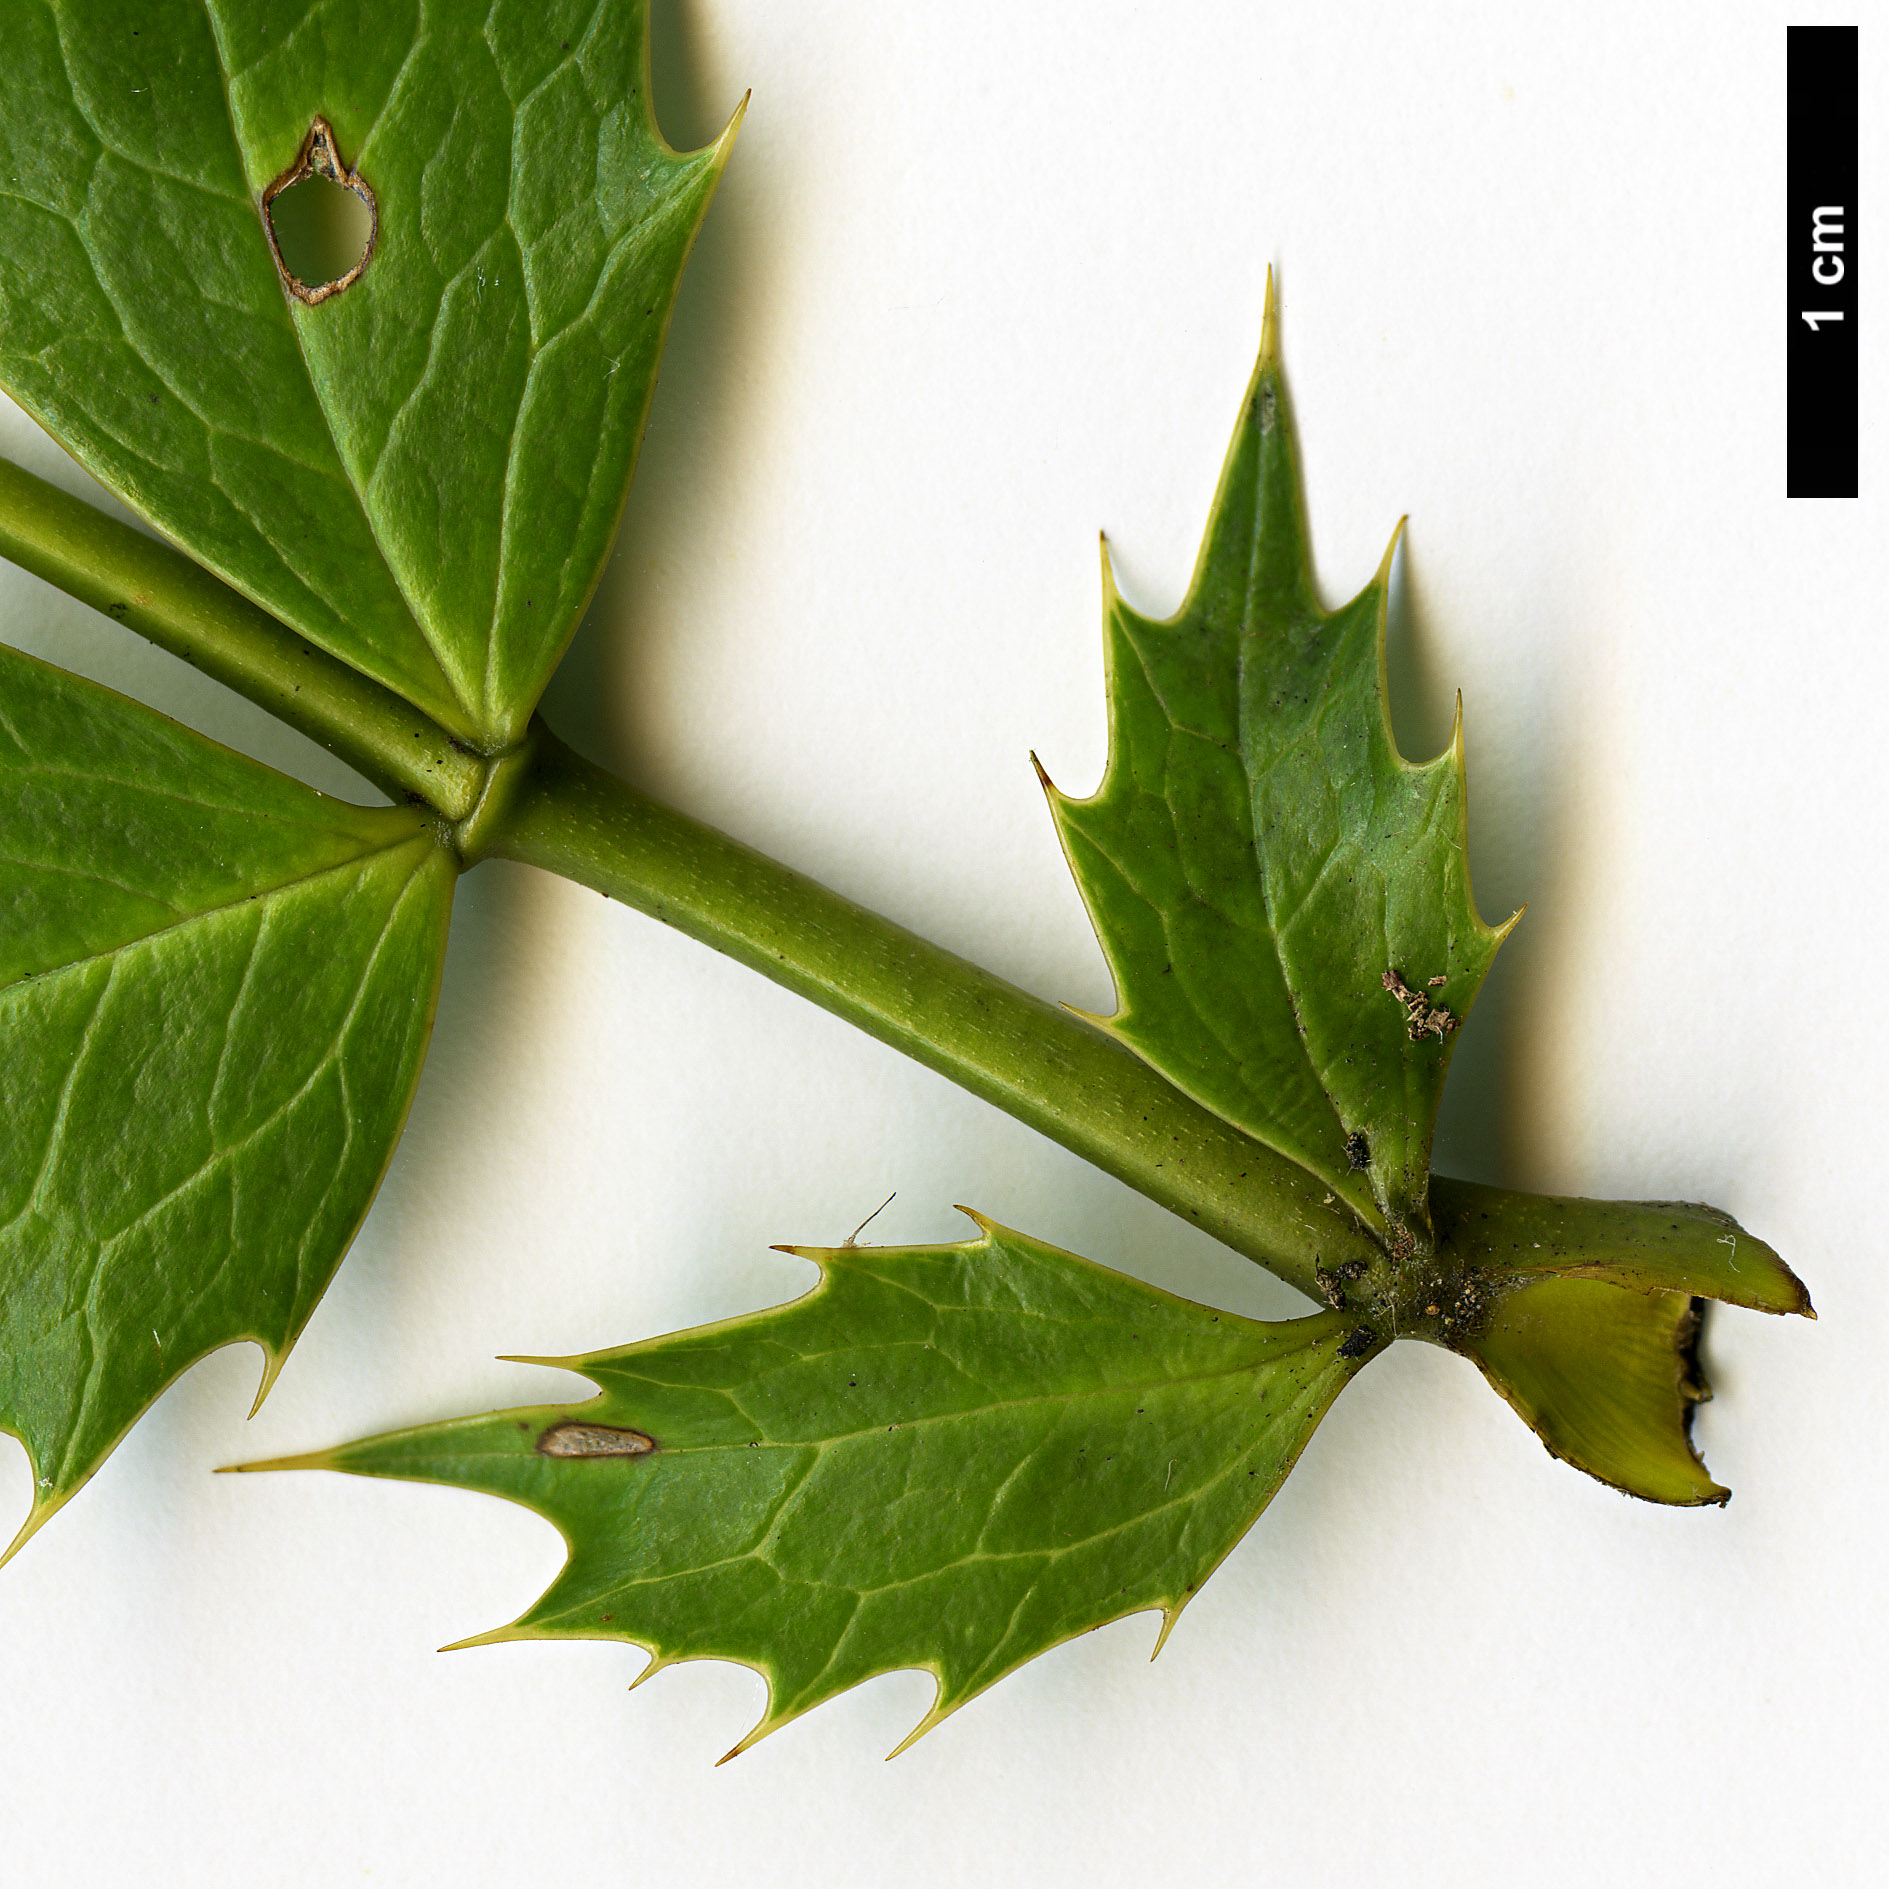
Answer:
(1038, 1062)
(545, 805)
(162, 595)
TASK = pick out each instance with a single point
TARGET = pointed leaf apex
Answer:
(768, 1723)
(725, 144)
(1111, 591)
(1169, 1616)
(43, 1510)
(497, 1636)
(273, 1359)
(1269, 328)
(930, 1722)
(657, 1663)
(1382, 575)
(312, 1459)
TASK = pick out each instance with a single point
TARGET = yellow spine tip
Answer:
(938, 1713)
(498, 1636)
(752, 1739)
(725, 143)
(42, 1512)
(1169, 1615)
(1390, 551)
(656, 1665)
(272, 1363)
(314, 1459)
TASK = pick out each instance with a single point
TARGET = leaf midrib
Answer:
(321, 406)
(206, 912)
(1049, 1398)
(1050, 1554)
(1295, 995)
(1340, 1181)
(220, 1156)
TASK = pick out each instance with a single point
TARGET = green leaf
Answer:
(1648, 1245)
(1284, 900)
(421, 473)
(947, 1457)
(1585, 1316)
(215, 992)
(1608, 1378)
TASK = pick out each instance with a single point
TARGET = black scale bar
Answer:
(1820, 193)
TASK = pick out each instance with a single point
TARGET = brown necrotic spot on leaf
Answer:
(593, 1439)
(321, 220)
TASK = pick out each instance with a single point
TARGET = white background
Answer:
(982, 279)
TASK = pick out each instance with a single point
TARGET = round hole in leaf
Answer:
(322, 231)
